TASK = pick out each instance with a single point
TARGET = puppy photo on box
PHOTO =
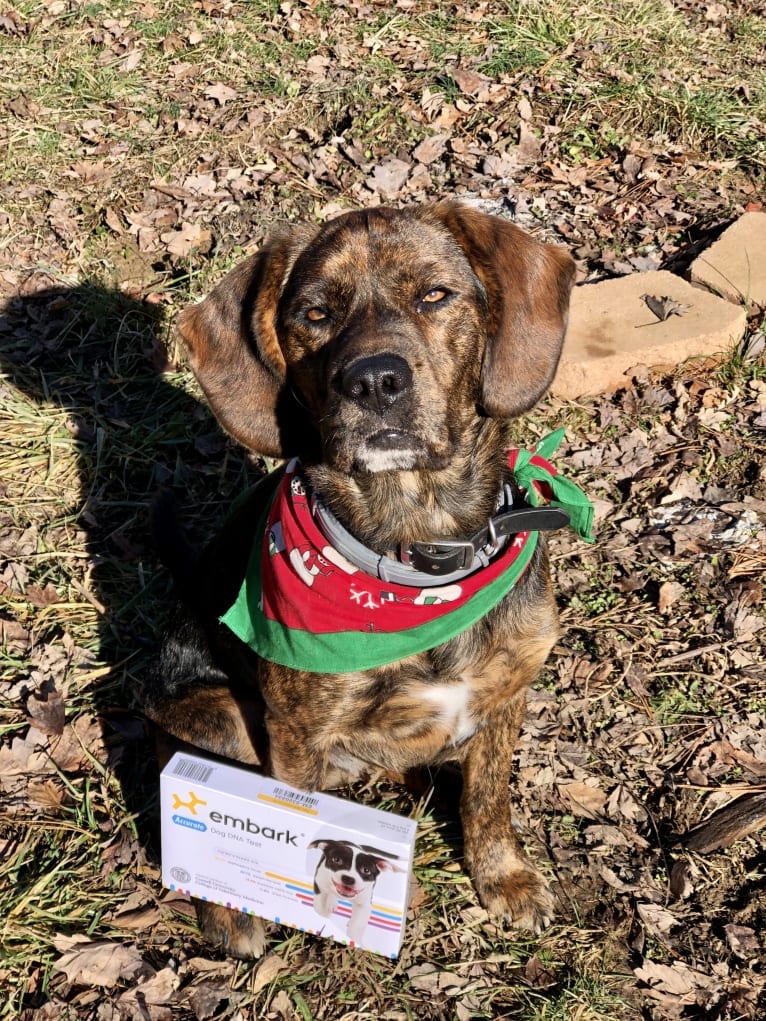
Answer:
(382, 602)
(345, 879)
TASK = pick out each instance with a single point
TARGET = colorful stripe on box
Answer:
(202, 896)
(381, 916)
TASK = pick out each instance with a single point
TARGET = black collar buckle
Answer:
(441, 556)
(444, 556)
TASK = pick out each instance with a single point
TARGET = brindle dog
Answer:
(388, 349)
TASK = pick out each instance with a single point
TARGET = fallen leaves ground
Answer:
(146, 150)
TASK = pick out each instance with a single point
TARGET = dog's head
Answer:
(351, 868)
(381, 335)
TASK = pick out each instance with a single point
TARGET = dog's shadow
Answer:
(87, 359)
(90, 355)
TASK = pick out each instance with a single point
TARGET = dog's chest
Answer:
(421, 720)
(436, 710)
(451, 707)
(429, 708)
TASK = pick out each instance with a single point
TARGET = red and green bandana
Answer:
(304, 605)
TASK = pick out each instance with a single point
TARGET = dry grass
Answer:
(114, 115)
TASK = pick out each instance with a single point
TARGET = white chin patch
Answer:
(372, 460)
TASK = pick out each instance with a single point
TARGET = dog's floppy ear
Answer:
(528, 285)
(385, 861)
(323, 844)
(388, 866)
(234, 351)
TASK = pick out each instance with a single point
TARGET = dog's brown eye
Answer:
(316, 315)
(434, 295)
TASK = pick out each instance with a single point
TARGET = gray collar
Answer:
(444, 560)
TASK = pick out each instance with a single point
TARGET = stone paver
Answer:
(735, 265)
(611, 331)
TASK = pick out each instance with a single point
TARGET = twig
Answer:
(689, 654)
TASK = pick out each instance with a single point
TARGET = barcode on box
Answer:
(299, 799)
(190, 770)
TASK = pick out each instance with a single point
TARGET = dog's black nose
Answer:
(376, 382)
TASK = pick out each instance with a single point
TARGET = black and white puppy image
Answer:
(349, 871)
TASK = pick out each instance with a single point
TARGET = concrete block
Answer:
(612, 330)
(735, 265)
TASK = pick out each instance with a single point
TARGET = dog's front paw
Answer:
(520, 896)
(239, 935)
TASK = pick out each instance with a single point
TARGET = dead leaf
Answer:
(503, 167)
(47, 713)
(716, 12)
(203, 966)
(159, 989)
(658, 920)
(622, 803)
(191, 237)
(676, 979)
(388, 178)
(431, 103)
(681, 876)
(46, 795)
(684, 487)
(95, 172)
(434, 980)
(730, 755)
(430, 149)
(670, 592)
(744, 624)
(603, 836)
(26, 755)
(538, 974)
(132, 60)
(318, 66)
(678, 986)
(282, 1005)
(221, 93)
(742, 940)
(268, 970)
(121, 849)
(469, 82)
(14, 637)
(416, 895)
(529, 149)
(713, 419)
(98, 963)
(664, 307)
(78, 742)
(140, 920)
(207, 997)
(583, 799)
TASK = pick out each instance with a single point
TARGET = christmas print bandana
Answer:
(304, 605)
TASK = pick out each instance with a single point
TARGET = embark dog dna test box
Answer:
(310, 861)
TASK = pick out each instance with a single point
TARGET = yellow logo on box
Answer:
(191, 804)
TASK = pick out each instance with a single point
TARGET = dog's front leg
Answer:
(325, 902)
(508, 885)
(360, 915)
(237, 934)
(193, 713)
